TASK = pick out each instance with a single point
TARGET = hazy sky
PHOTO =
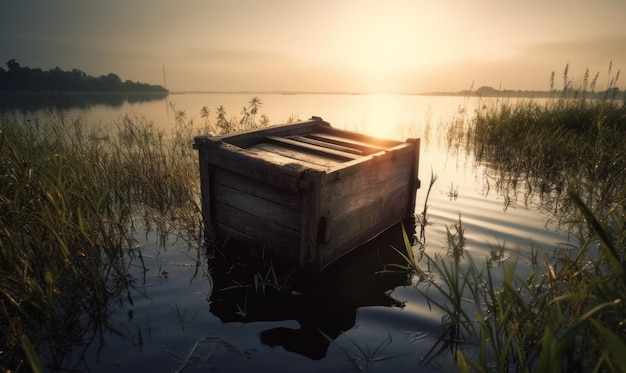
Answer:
(321, 45)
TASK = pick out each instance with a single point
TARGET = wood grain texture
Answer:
(306, 191)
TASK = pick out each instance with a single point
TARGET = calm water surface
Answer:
(178, 317)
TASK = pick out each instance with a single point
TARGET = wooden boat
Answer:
(306, 191)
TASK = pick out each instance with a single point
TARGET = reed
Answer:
(50, 238)
(533, 147)
(366, 353)
(72, 195)
(224, 124)
(568, 314)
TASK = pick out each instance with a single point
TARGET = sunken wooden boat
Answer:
(306, 192)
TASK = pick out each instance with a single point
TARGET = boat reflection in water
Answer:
(324, 304)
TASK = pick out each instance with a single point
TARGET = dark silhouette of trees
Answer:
(25, 79)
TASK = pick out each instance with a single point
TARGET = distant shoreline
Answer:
(616, 93)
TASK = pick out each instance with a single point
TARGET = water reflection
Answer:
(325, 304)
(84, 101)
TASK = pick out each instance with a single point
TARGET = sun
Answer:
(382, 57)
(383, 44)
(382, 49)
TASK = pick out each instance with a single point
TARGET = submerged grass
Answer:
(71, 196)
(569, 313)
(546, 148)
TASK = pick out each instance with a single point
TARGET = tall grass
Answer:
(569, 314)
(538, 147)
(71, 196)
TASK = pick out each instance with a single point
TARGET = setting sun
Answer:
(396, 46)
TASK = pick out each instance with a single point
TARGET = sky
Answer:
(390, 46)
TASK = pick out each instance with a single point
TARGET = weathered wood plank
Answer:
(206, 203)
(379, 165)
(384, 143)
(282, 155)
(263, 209)
(246, 185)
(337, 196)
(250, 138)
(366, 148)
(358, 165)
(242, 161)
(305, 147)
(357, 226)
(311, 217)
(414, 177)
(240, 222)
(328, 144)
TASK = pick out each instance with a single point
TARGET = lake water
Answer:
(176, 317)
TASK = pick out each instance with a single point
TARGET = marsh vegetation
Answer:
(568, 314)
(72, 198)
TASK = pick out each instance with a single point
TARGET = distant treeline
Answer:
(25, 79)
